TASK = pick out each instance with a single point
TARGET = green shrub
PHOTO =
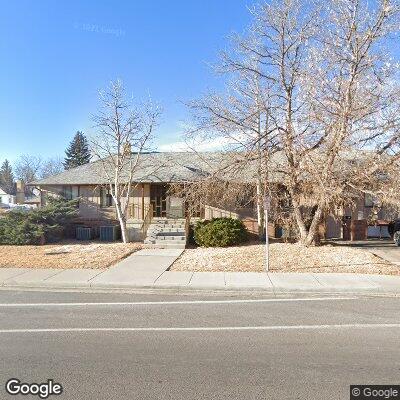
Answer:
(220, 232)
(37, 226)
(396, 238)
(17, 229)
(191, 240)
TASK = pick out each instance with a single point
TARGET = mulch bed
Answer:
(284, 257)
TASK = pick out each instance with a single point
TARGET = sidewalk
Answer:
(148, 269)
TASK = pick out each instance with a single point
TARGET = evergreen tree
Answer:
(42, 225)
(77, 152)
(7, 177)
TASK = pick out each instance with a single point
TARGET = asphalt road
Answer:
(126, 346)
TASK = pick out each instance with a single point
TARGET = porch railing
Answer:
(214, 212)
(136, 211)
(210, 212)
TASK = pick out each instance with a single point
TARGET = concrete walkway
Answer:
(383, 248)
(148, 269)
(140, 269)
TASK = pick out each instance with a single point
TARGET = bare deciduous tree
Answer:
(332, 104)
(51, 166)
(241, 119)
(124, 131)
(27, 168)
(352, 96)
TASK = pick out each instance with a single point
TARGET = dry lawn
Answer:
(284, 257)
(68, 254)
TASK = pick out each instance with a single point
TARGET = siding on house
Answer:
(360, 211)
(89, 200)
(333, 227)
(90, 209)
(137, 201)
(6, 198)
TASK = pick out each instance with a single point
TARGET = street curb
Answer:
(203, 290)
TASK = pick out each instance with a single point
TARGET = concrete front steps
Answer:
(166, 234)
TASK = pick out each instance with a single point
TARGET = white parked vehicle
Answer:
(20, 207)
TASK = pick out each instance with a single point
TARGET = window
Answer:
(70, 192)
(106, 199)
(67, 192)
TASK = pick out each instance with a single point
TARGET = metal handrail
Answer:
(187, 227)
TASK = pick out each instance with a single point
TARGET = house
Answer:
(150, 197)
(152, 179)
(6, 199)
(19, 199)
(30, 198)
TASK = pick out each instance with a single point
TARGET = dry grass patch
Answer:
(284, 257)
(68, 254)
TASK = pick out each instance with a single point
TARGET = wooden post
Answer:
(267, 205)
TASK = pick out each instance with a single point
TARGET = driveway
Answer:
(384, 248)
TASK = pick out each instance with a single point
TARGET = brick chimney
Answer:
(20, 195)
(127, 149)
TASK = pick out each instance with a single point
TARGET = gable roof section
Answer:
(170, 167)
(3, 191)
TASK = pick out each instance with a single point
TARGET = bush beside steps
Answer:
(220, 232)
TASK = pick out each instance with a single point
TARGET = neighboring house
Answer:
(6, 199)
(157, 171)
(29, 199)
(365, 219)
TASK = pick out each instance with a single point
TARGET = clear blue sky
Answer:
(55, 55)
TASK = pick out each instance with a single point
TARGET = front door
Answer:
(158, 198)
(175, 207)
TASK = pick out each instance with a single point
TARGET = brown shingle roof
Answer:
(163, 167)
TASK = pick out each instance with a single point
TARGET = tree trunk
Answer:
(122, 223)
(312, 235)
(124, 231)
(308, 237)
(300, 222)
